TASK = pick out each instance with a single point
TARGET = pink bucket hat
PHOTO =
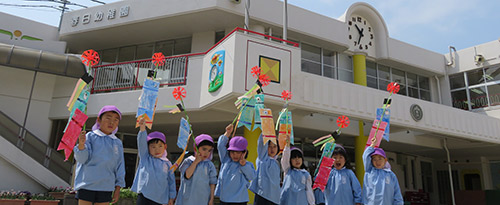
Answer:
(107, 108)
(238, 143)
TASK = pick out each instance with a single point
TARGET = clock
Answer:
(360, 33)
(213, 73)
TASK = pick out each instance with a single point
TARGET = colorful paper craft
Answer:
(80, 103)
(324, 172)
(180, 159)
(386, 119)
(149, 96)
(285, 121)
(327, 152)
(80, 85)
(259, 104)
(184, 129)
(247, 113)
(378, 133)
(268, 133)
(70, 137)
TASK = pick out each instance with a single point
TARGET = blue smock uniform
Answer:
(153, 177)
(196, 190)
(267, 182)
(297, 184)
(342, 187)
(100, 165)
(234, 179)
(319, 196)
(380, 186)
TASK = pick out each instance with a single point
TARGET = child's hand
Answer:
(116, 196)
(243, 161)
(229, 129)
(198, 158)
(171, 202)
(81, 140)
(142, 124)
(211, 202)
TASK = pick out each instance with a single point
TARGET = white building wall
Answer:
(202, 41)
(14, 97)
(13, 178)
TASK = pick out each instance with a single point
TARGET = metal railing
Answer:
(131, 75)
(35, 148)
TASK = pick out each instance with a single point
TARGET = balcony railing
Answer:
(130, 75)
(35, 148)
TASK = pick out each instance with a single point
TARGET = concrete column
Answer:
(486, 172)
(252, 137)
(359, 67)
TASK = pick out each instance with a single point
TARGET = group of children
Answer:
(100, 171)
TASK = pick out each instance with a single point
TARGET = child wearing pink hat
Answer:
(153, 181)
(100, 167)
(198, 174)
(235, 171)
(380, 184)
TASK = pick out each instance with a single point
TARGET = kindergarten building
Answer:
(444, 121)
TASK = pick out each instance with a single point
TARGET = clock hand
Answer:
(359, 30)
(360, 35)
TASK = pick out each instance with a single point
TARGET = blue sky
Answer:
(430, 24)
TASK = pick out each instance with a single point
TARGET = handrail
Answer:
(34, 147)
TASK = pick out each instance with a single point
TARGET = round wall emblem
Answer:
(416, 112)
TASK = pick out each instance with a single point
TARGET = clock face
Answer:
(213, 72)
(360, 33)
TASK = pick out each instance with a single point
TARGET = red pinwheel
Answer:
(264, 79)
(393, 87)
(90, 57)
(179, 93)
(158, 59)
(256, 71)
(286, 95)
(343, 121)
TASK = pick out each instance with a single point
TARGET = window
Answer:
(476, 89)
(378, 76)
(145, 51)
(345, 68)
(328, 63)
(311, 59)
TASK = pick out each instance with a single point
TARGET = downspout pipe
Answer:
(439, 89)
(449, 171)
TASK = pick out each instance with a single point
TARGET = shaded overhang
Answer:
(68, 65)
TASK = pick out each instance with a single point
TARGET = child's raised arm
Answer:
(367, 160)
(222, 142)
(285, 158)
(142, 144)
(261, 148)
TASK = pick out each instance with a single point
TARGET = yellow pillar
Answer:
(252, 137)
(359, 67)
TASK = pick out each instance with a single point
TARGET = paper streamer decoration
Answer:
(327, 152)
(378, 133)
(259, 104)
(324, 172)
(247, 113)
(80, 85)
(182, 139)
(386, 118)
(179, 160)
(268, 133)
(285, 127)
(70, 137)
(147, 101)
(80, 103)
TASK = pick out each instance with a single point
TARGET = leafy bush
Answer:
(46, 197)
(128, 194)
